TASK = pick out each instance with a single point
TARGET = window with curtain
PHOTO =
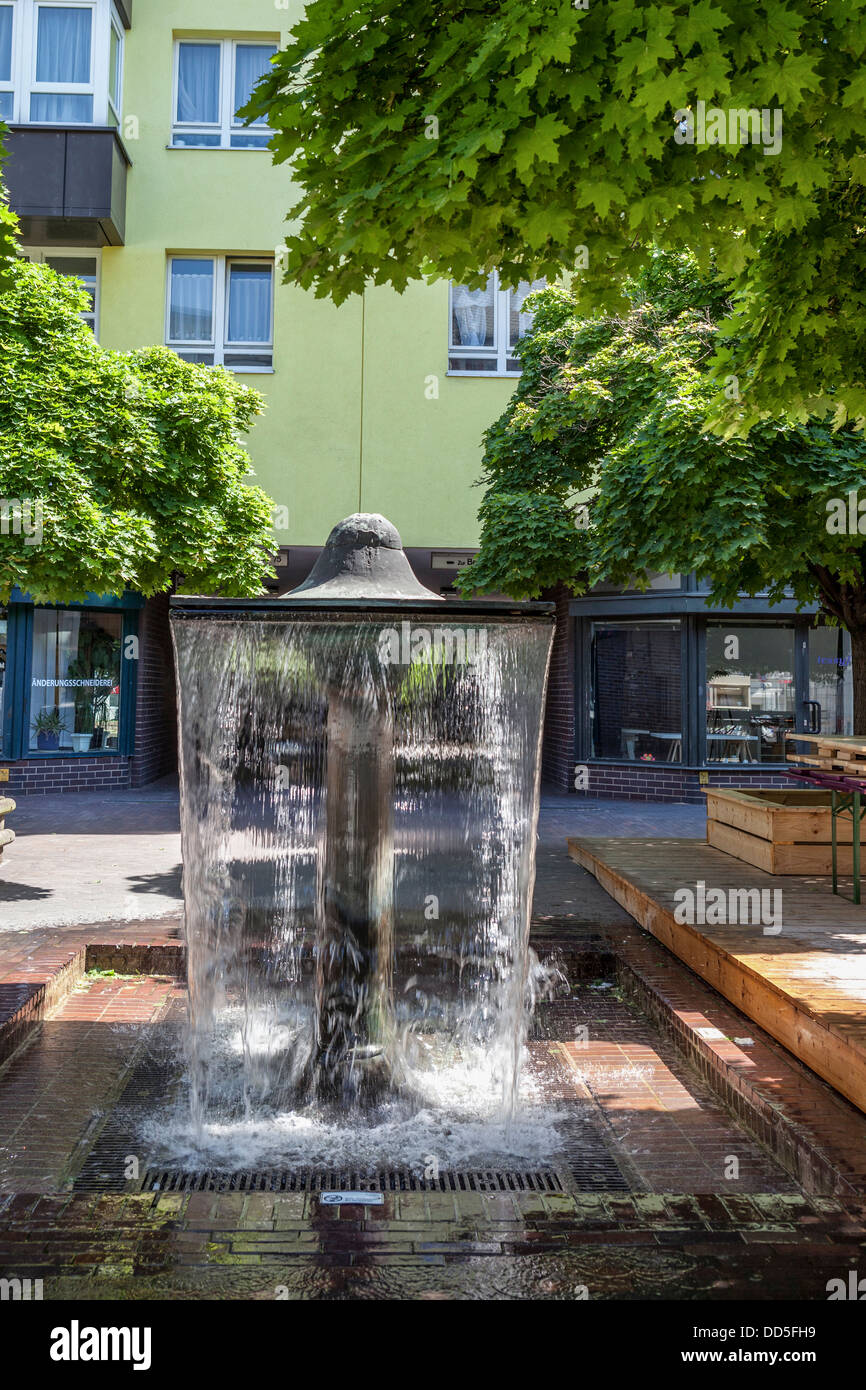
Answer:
(115, 69)
(75, 681)
(64, 64)
(214, 78)
(486, 325)
(7, 90)
(52, 55)
(220, 311)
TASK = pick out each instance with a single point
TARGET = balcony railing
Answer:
(67, 184)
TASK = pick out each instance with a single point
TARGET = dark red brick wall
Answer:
(156, 710)
(637, 782)
(557, 756)
(40, 776)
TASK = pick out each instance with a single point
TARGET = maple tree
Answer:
(449, 137)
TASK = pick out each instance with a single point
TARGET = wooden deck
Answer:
(806, 986)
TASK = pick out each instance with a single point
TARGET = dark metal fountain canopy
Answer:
(363, 567)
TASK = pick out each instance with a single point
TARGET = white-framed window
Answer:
(61, 62)
(115, 69)
(213, 79)
(220, 311)
(485, 325)
(7, 64)
(83, 265)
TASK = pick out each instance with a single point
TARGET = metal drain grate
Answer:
(159, 1179)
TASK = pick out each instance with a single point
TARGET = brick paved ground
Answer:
(421, 1245)
(685, 1233)
(794, 1219)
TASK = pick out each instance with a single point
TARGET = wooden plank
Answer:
(788, 822)
(850, 743)
(806, 987)
(752, 849)
(755, 817)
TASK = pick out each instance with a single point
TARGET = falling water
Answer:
(359, 807)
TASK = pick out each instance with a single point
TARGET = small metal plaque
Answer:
(4, 774)
(353, 1199)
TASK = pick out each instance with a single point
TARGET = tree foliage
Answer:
(453, 136)
(118, 470)
(8, 224)
(612, 410)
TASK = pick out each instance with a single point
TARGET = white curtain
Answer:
(191, 315)
(519, 322)
(63, 45)
(5, 43)
(198, 83)
(252, 61)
(55, 644)
(61, 107)
(249, 304)
(473, 315)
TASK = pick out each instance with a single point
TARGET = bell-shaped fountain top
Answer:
(363, 568)
(363, 558)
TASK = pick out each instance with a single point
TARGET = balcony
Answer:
(67, 184)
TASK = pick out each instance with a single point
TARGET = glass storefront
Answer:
(636, 700)
(750, 692)
(75, 681)
(704, 691)
(68, 678)
(831, 694)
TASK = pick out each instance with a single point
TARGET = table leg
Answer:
(856, 846)
(833, 840)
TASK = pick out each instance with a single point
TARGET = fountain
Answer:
(359, 780)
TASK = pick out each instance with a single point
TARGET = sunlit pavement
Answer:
(87, 857)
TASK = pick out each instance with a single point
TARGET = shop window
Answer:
(75, 681)
(751, 698)
(636, 707)
(831, 694)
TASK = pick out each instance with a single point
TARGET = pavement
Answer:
(87, 857)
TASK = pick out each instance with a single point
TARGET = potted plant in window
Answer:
(49, 726)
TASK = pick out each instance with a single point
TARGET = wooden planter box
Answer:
(782, 832)
(6, 836)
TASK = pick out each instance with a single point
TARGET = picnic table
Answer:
(837, 764)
